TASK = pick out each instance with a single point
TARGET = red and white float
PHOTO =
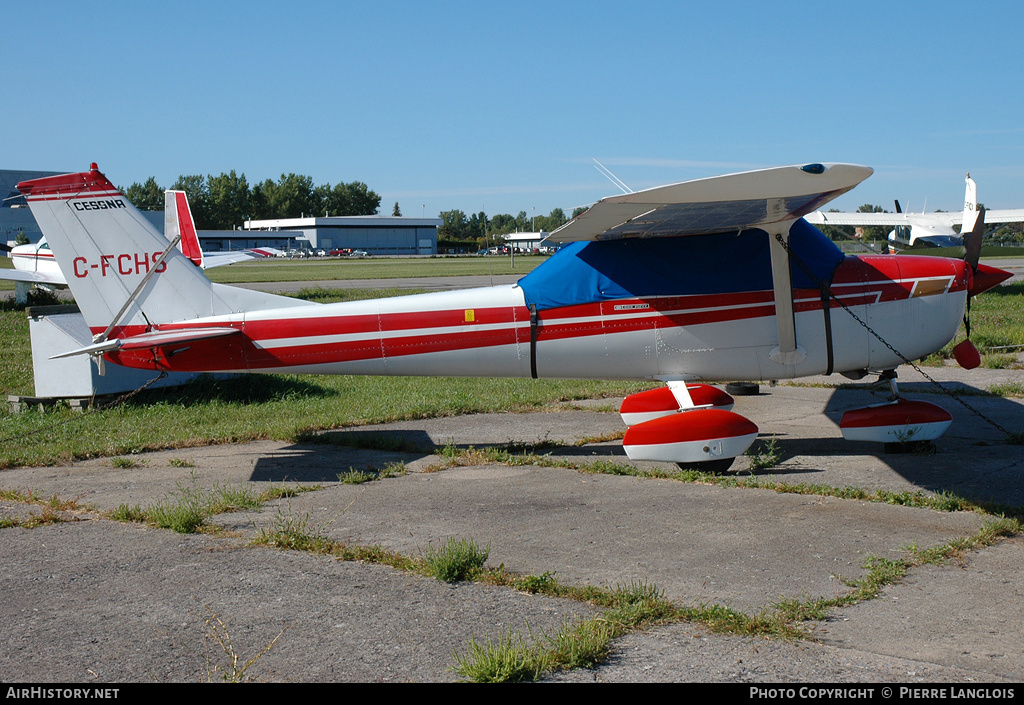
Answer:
(698, 436)
(899, 421)
(656, 403)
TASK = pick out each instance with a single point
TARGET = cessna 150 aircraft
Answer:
(35, 265)
(713, 279)
(920, 229)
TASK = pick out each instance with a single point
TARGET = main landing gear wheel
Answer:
(709, 466)
(742, 389)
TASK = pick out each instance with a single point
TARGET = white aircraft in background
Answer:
(178, 221)
(713, 279)
(35, 265)
(920, 229)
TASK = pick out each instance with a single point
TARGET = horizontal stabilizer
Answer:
(719, 204)
(153, 339)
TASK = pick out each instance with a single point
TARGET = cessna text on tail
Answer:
(35, 265)
(714, 279)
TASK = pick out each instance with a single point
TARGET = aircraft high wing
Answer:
(713, 279)
(921, 229)
(35, 265)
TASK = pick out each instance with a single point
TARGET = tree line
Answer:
(456, 226)
(226, 201)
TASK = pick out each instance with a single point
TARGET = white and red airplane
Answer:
(35, 265)
(713, 279)
(921, 229)
(178, 223)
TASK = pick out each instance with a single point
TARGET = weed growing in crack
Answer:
(509, 659)
(767, 456)
(355, 477)
(235, 670)
(457, 559)
(537, 583)
(293, 532)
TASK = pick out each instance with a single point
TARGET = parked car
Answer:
(359, 253)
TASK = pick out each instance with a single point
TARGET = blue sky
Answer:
(503, 106)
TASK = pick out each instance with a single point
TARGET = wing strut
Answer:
(788, 352)
(102, 337)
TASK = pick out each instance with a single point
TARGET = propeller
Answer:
(983, 277)
(972, 234)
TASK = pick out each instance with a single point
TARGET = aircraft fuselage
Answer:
(915, 303)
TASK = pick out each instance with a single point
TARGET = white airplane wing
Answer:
(892, 219)
(18, 275)
(218, 259)
(923, 221)
(1005, 215)
(715, 205)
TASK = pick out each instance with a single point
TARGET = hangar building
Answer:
(376, 234)
(15, 217)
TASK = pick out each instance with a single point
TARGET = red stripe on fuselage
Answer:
(858, 281)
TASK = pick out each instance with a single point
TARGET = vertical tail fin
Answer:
(120, 269)
(972, 229)
(178, 221)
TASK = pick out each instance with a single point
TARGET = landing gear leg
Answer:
(890, 377)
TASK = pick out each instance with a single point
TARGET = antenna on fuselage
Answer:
(612, 177)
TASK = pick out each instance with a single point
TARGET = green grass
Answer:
(997, 319)
(325, 295)
(187, 510)
(16, 360)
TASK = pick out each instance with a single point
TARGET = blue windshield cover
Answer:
(585, 272)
